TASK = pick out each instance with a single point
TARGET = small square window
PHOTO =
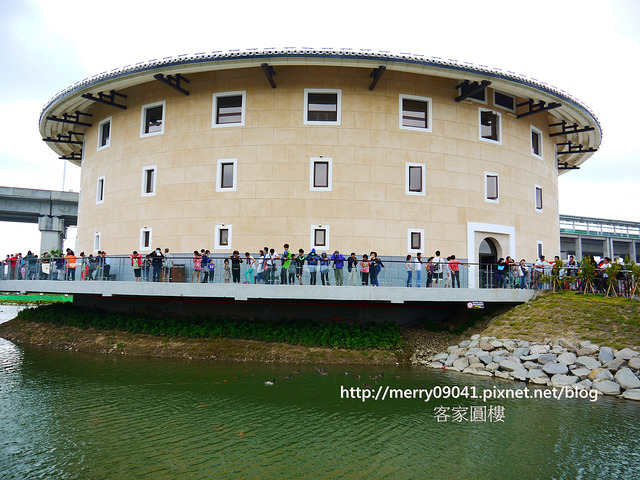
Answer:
(490, 126)
(149, 181)
(227, 175)
(503, 100)
(491, 187)
(322, 107)
(538, 198)
(104, 134)
(223, 237)
(415, 113)
(96, 242)
(229, 109)
(152, 122)
(320, 236)
(536, 142)
(320, 174)
(415, 240)
(415, 179)
(145, 239)
(100, 190)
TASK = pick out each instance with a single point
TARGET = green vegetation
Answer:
(34, 299)
(296, 332)
(612, 321)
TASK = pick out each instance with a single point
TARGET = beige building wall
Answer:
(368, 207)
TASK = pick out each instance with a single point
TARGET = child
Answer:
(227, 271)
(364, 269)
(292, 269)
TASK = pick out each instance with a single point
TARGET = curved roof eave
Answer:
(572, 110)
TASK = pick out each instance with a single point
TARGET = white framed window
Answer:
(152, 119)
(539, 248)
(536, 142)
(149, 177)
(223, 237)
(320, 174)
(491, 193)
(104, 133)
(415, 178)
(490, 126)
(227, 175)
(415, 240)
(504, 101)
(320, 237)
(538, 198)
(229, 109)
(145, 239)
(96, 241)
(415, 113)
(100, 190)
(322, 106)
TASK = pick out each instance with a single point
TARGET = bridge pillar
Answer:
(53, 232)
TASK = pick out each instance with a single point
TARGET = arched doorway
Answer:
(487, 258)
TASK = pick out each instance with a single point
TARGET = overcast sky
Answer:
(590, 49)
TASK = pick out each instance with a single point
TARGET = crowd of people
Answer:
(287, 268)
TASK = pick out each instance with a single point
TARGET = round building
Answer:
(327, 149)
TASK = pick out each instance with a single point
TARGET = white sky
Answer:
(589, 48)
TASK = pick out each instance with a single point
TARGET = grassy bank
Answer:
(34, 299)
(614, 322)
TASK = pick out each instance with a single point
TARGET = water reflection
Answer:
(67, 416)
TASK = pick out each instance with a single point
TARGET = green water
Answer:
(65, 415)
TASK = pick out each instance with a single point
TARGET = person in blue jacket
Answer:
(312, 261)
(338, 267)
(324, 268)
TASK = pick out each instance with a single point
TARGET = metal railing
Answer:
(182, 268)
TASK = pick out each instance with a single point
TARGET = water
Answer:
(78, 416)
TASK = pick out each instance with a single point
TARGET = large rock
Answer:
(605, 355)
(522, 343)
(472, 359)
(500, 374)
(531, 358)
(626, 354)
(581, 373)
(584, 343)
(510, 365)
(496, 343)
(587, 362)
(615, 364)
(535, 373)
(486, 346)
(627, 379)
(474, 351)
(440, 357)
(510, 345)
(589, 350)
(484, 373)
(539, 349)
(540, 380)
(470, 370)
(492, 367)
(475, 337)
(486, 359)
(520, 374)
(452, 348)
(566, 344)
(634, 363)
(464, 343)
(557, 349)
(547, 358)
(607, 387)
(531, 365)
(633, 394)
(474, 344)
(450, 359)
(567, 358)
(586, 383)
(520, 352)
(436, 365)
(599, 374)
(461, 363)
(560, 380)
(555, 368)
